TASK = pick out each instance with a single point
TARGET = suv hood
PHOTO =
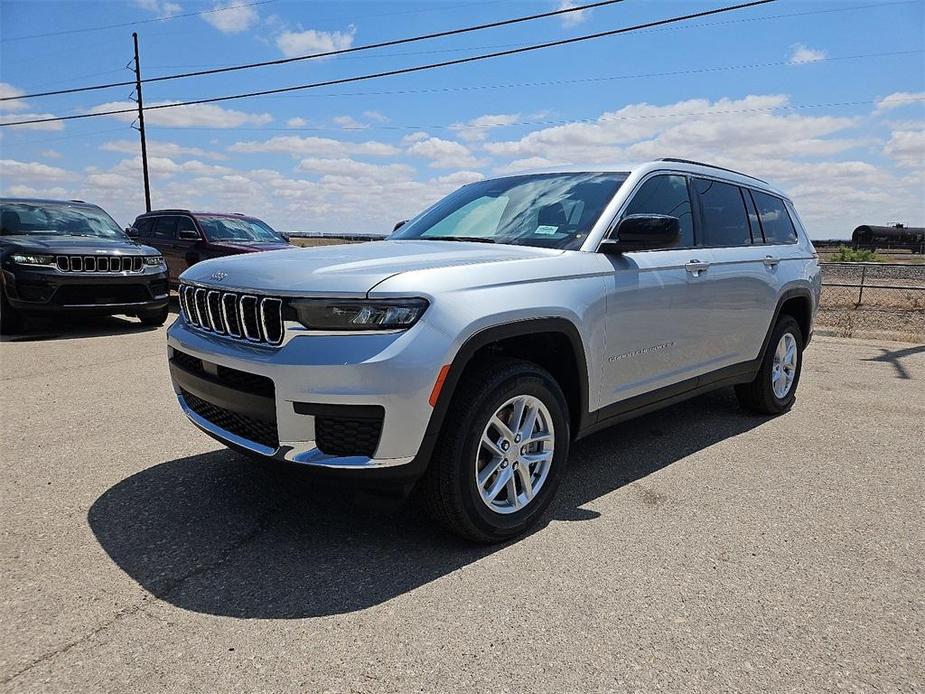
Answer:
(347, 268)
(54, 244)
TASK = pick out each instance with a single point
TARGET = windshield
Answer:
(238, 229)
(547, 210)
(60, 219)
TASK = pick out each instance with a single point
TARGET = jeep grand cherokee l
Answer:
(465, 352)
(184, 238)
(60, 256)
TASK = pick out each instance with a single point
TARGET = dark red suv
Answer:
(184, 238)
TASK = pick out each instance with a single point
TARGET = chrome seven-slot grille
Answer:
(257, 319)
(99, 263)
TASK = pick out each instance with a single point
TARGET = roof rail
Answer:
(711, 166)
(168, 209)
(80, 201)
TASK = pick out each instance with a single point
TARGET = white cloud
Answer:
(351, 168)
(800, 54)
(233, 17)
(50, 154)
(898, 100)
(572, 18)
(349, 123)
(443, 154)
(460, 178)
(296, 43)
(8, 90)
(31, 171)
(907, 148)
(14, 117)
(162, 9)
(478, 128)
(736, 127)
(315, 146)
(375, 117)
(187, 116)
(528, 164)
(296, 122)
(159, 148)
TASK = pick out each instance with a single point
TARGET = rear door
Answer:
(165, 240)
(742, 283)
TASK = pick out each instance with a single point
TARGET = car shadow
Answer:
(73, 327)
(221, 534)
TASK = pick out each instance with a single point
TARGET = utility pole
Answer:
(141, 127)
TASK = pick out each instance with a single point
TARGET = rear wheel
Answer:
(774, 388)
(502, 451)
(155, 317)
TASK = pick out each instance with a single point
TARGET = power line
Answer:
(599, 119)
(409, 70)
(328, 54)
(140, 21)
(606, 78)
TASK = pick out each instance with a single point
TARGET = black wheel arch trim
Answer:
(487, 336)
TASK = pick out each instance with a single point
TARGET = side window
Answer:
(666, 194)
(186, 224)
(723, 213)
(776, 222)
(166, 228)
(144, 226)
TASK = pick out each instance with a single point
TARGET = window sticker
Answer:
(546, 230)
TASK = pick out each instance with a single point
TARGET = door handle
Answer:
(770, 261)
(695, 267)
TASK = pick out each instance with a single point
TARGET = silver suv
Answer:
(463, 354)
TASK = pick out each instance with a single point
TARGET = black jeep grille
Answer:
(255, 430)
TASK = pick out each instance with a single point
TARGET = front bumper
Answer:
(392, 373)
(41, 291)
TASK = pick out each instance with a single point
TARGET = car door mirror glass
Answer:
(131, 232)
(643, 232)
(188, 235)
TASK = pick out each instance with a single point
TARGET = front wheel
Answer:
(774, 388)
(154, 318)
(501, 453)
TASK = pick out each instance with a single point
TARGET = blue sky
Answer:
(785, 91)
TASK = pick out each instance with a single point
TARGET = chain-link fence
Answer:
(876, 299)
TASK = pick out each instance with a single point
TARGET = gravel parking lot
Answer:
(695, 549)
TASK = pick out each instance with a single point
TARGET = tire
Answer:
(760, 395)
(10, 320)
(450, 487)
(154, 318)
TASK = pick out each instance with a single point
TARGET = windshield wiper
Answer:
(474, 239)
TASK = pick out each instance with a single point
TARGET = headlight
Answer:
(360, 314)
(33, 259)
(154, 260)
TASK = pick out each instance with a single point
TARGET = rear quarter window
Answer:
(775, 220)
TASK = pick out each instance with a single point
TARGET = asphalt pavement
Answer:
(696, 549)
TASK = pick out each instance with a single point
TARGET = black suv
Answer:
(63, 256)
(185, 238)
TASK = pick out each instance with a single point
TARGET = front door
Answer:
(652, 335)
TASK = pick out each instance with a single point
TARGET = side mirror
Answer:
(131, 232)
(188, 235)
(399, 225)
(643, 232)
(284, 236)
